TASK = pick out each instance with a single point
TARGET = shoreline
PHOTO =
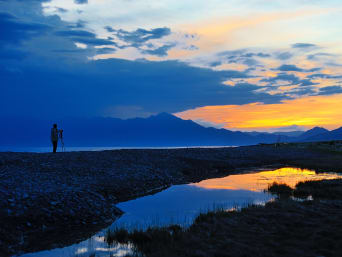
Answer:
(50, 195)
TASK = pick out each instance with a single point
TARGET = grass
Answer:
(282, 190)
(323, 189)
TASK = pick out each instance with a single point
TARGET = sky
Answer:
(252, 65)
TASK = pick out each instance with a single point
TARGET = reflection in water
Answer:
(181, 204)
(259, 181)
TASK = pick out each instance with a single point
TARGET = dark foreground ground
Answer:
(282, 228)
(52, 200)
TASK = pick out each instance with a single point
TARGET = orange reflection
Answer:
(259, 181)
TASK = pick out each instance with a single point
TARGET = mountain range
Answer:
(155, 131)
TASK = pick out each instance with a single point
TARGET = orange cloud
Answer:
(307, 112)
(222, 32)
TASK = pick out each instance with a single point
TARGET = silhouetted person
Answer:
(54, 137)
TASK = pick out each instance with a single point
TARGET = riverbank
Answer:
(52, 200)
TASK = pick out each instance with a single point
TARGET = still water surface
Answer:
(181, 204)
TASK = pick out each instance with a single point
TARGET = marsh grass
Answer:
(282, 190)
(323, 189)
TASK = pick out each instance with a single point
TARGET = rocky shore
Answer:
(52, 200)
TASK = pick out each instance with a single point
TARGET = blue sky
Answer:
(130, 58)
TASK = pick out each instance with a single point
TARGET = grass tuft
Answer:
(282, 190)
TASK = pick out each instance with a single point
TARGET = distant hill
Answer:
(160, 130)
(326, 136)
(316, 131)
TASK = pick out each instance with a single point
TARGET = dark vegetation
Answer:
(283, 227)
(282, 190)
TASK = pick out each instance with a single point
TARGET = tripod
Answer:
(61, 139)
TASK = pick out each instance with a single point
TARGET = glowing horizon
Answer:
(298, 114)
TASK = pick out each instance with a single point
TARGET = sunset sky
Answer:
(252, 65)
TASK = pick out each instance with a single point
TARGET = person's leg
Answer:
(54, 146)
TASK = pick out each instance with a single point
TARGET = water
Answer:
(47, 149)
(181, 204)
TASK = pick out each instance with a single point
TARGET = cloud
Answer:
(324, 76)
(284, 56)
(62, 10)
(14, 31)
(75, 33)
(303, 45)
(287, 67)
(80, 1)
(105, 50)
(85, 37)
(290, 78)
(109, 29)
(331, 90)
(290, 67)
(138, 37)
(92, 88)
(318, 55)
(242, 56)
(160, 51)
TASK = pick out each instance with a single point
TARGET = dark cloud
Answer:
(160, 51)
(105, 50)
(14, 31)
(286, 67)
(317, 55)
(89, 88)
(62, 10)
(284, 55)
(215, 63)
(140, 39)
(250, 62)
(85, 37)
(140, 36)
(242, 56)
(109, 29)
(291, 78)
(303, 45)
(290, 67)
(75, 33)
(324, 76)
(80, 1)
(303, 91)
(262, 55)
(331, 90)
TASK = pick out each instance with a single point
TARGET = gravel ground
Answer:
(52, 200)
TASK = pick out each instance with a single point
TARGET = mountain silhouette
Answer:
(326, 136)
(160, 130)
(316, 131)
